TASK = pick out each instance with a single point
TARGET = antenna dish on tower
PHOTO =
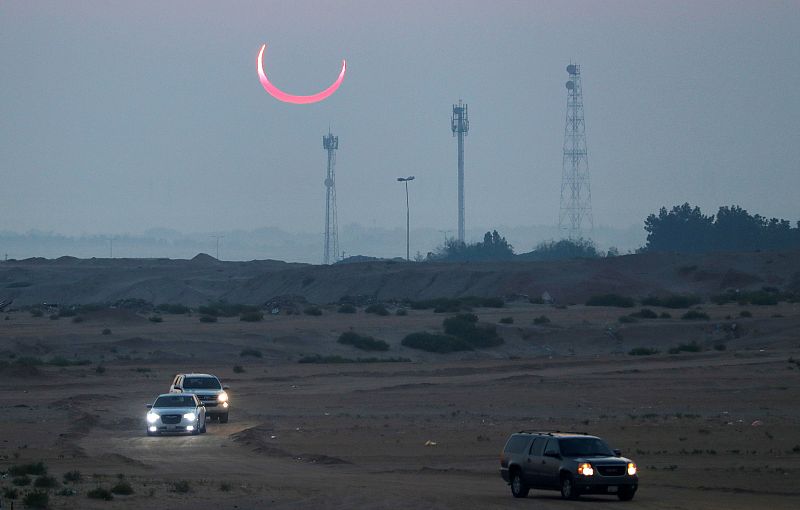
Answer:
(570, 85)
(572, 69)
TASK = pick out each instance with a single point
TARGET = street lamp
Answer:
(408, 216)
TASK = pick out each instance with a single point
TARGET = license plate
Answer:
(613, 488)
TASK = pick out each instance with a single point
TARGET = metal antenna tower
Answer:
(331, 144)
(576, 194)
(459, 124)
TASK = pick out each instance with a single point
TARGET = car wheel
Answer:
(223, 418)
(626, 493)
(518, 487)
(152, 433)
(568, 490)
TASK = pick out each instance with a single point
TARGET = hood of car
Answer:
(603, 459)
(172, 410)
(208, 393)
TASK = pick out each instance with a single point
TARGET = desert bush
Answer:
(36, 499)
(627, 319)
(439, 305)
(21, 481)
(181, 486)
(61, 361)
(542, 319)
(377, 309)
(673, 301)
(693, 315)
(664, 315)
(645, 313)
(225, 309)
(156, 318)
(100, 493)
(483, 302)
(347, 308)
(67, 312)
(610, 300)
(251, 316)
(54, 317)
(208, 318)
(36, 469)
(745, 314)
(642, 351)
(365, 343)
(720, 347)
(317, 358)
(36, 312)
(536, 301)
(690, 347)
(45, 482)
(29, 361)
(432, 342)
(100, 369)
(77, 319)
(459, 324)
(313, 310)
(225, 487)
(10, 493)
(105, 332)
(507, 320)
(255, 353)
(174, 309)
(238, 369)
(401, 312)
(122, 488)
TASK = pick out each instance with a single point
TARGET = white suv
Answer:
(209, 390)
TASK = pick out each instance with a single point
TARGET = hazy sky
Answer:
(122, 116)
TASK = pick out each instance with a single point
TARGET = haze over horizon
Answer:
(121, 118)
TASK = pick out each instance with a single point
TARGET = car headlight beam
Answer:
(189, 416)
(152, 417)
(585, 469)
(222, 397)
(631, 468)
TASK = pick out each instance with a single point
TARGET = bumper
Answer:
(504, 475)
(184, 426)
(606, 484)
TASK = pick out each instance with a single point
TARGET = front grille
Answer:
(611, 470)
(170, 419)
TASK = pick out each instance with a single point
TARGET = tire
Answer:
(626, 494)
(568, 490)
(223, 418)
(151, 434)
(519, 489)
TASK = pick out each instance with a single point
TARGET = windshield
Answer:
(201, 383)
(585, 447)
(174, 401)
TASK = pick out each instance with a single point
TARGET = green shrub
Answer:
(61, 361)
(347, 308)
(460, 324)
(250, 352)
(317, 358)
(645, 313)
(694, 315)
(156, 318)
(181, 486)
(610, 300)
(507, 320)
(100, 493)
(251, 316)
(432, 342)
(377, 309)
(67, 312)
(106, 332)
(174, 309)
(673, 301)
(464, 326)
(365, 343)
(122, 488)
(238, 369)
(745, 314)
(77, 319)
(720, 347)
(664, 315)
(690, 347)
(536, 301)
(45, 482)
(21, 481)
(626, 319)
(73, 476)
(100, 369)
(401, 312)
(313, 310)
(36, 312)
(10, 493)
(226, 487)
(36, 499)
(439, 305)
(37, 469)
(208, 318)
(642, 351)
(542, 319)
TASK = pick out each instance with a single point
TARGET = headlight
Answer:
(152, 417)
(586, 469)
(631, 468)
(189, 416)
(222, 397)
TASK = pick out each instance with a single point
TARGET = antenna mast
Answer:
(331, 144)
(459, 124)
(576, 194)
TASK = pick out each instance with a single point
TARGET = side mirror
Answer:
(552, 453)
(178, 388)
(149, 406)
(617, 452)
(226, 388)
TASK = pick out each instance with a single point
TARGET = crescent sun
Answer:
(291, 98)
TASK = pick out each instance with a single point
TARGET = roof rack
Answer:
(552, 433)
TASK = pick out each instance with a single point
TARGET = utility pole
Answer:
(408, 216)
(218, 237)
(459, 124)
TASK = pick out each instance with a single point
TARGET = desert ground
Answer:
(716, 428)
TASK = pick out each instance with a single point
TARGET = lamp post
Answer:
(408, 215)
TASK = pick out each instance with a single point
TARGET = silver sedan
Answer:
(176, 413)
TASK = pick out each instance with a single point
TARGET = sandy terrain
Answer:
(354, 435)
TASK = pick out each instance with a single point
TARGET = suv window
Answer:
(517, 443)
(552, 444)
(537, 448)
(585, 447)
(201, 383)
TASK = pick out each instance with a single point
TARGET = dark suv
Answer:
(573, 463)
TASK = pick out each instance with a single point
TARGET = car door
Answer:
(532, 468)
(551, 464)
